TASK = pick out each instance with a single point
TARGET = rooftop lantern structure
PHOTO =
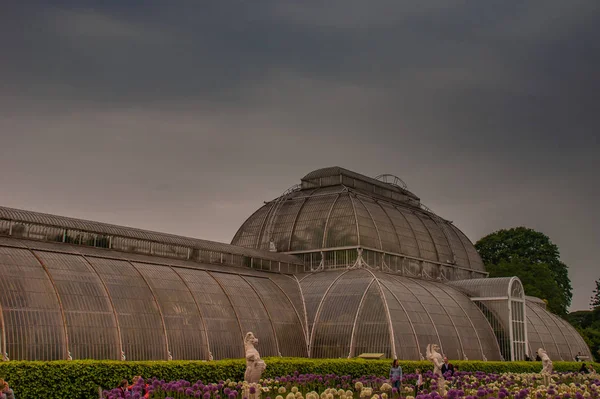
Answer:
(339, 219)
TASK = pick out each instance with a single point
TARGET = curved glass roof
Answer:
(548, 331)
(342, 213)
(58, 300)
(354, 311)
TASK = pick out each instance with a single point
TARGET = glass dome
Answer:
(334, 208)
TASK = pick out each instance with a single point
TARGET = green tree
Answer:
(531, 256)
(595, 300)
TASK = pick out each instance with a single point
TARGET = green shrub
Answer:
(81, 379)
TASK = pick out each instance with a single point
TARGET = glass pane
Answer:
(184, 325)
(142, 329)
(33, 321)
(291, 338)
(90, 317)
(224, 334)
(250, 310)
(333, 328)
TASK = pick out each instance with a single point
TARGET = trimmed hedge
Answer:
(81, 379)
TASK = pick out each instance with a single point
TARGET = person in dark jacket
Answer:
(447, 367)
(584, 369)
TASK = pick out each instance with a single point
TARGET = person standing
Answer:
(396, 375)
(447, 367)
(419, 383)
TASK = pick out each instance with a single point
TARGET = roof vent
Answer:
(392, 180)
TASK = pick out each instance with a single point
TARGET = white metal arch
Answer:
(360, 305)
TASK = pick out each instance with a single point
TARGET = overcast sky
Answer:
(183, 117)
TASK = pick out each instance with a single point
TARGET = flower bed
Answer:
(463, 385)
(82, 378)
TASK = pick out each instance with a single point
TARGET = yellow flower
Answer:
(386, 387)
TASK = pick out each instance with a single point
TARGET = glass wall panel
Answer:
(485, 334)
(475, 261)
(183, 322)
(404, 336)
(91, 323)
(552, 329)
(224, 334)
(469, 346)
(333, 328)
(458, 248)
(32, 317)
(250, 310)
(288, 327)
(341, 226)
(248, 235)
(426, 294)
(310, 225)
(387, 233)
(420, 319)
(314, 287)
(142, 329)
(291, 287)
(406, 235)
(284, 223)
(438, 235)
(546, 339)
(426, 246)
(369, 236)
(372, 330)
(575, 340)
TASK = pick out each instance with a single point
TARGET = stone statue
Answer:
(434, 356)
(254, 365)
(546, 366)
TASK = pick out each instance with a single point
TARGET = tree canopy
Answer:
(595, 301)
(531, 256)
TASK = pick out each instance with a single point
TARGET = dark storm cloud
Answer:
(184, 116)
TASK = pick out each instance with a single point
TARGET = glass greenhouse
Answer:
(339, 265)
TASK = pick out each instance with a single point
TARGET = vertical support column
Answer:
(510, 329)
(3, 350)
